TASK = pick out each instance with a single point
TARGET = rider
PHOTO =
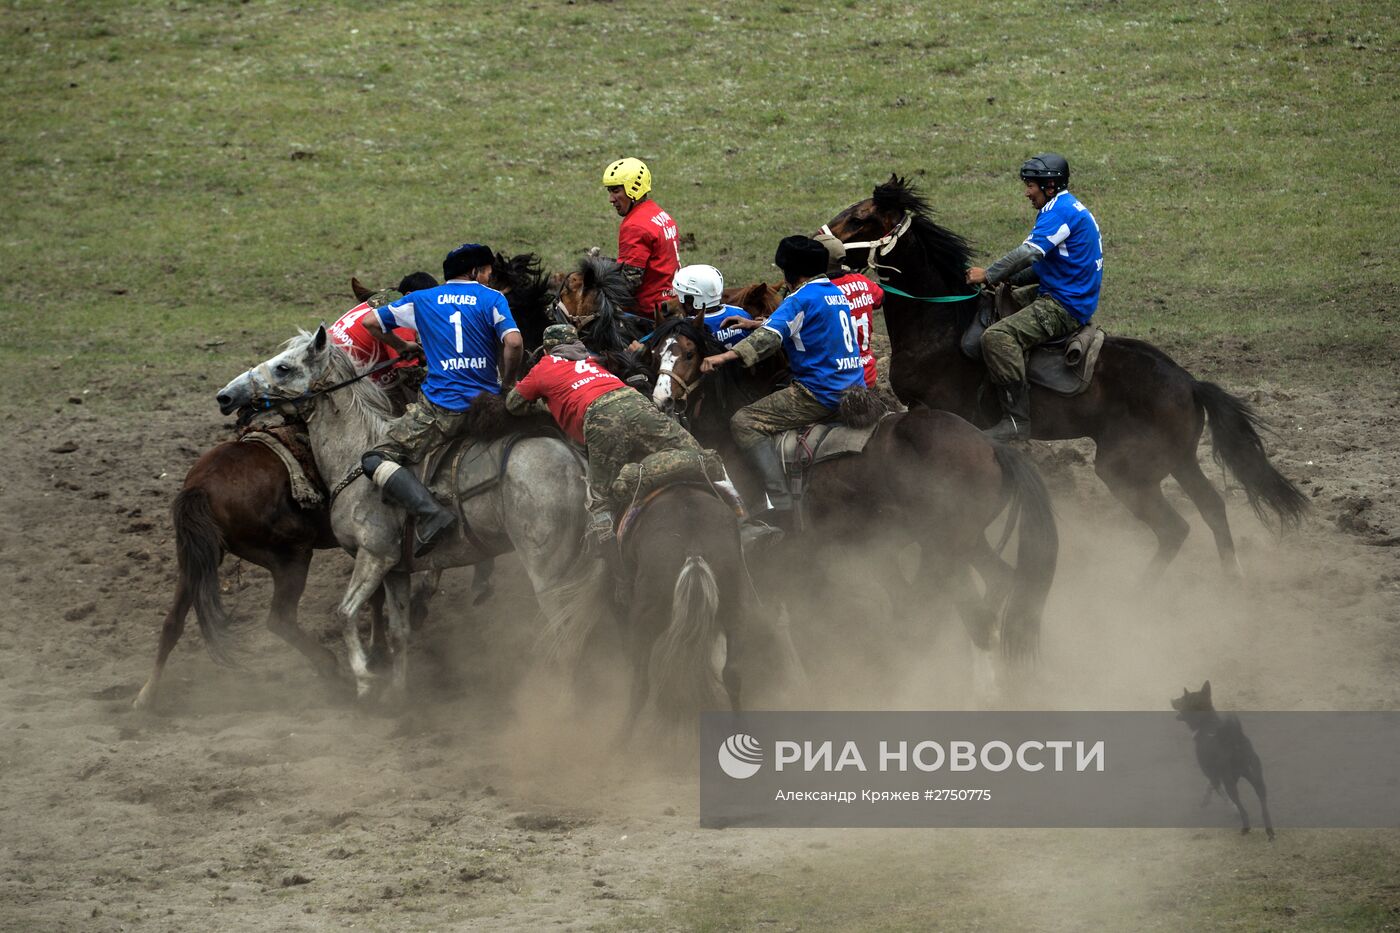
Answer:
(459, 325)
(813, 326)
(700, 289)
(864, 295)
(1065, 255)
(349, 332)
(615, 423)
(648, 243)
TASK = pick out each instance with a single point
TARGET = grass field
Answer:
(186, 174)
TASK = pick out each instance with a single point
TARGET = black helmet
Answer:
(1046, 167)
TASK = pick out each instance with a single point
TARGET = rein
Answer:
(297, 402)
(883, 246)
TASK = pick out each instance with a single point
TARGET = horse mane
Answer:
(689, 328)
(527, 292)
(615, 298)
(947, 252)
(367, 401)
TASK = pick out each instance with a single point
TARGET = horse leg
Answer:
(1212, 508)
(640, 648)
(424, 589)
(397, 597)
(730, 672)
(288, 583)
(378, 637)
(170, 632)
(369, 573)
(1141, 492)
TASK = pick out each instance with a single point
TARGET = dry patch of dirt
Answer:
(262, 800)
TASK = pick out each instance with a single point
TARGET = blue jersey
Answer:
(822, 347)
(728, 336)
(1071, 265)
(459, 326)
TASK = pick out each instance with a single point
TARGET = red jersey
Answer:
(349, 333)
(864, 296)
(649, 240)
(568, 387)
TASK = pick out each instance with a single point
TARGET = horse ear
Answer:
(358, 289)
(1205, 688)
(318, 341)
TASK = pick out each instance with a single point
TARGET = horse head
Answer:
(594, 298)
(291, 374)
(895, 230)
(758, 300)
(674, 355)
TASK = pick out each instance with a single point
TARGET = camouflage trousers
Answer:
(1006, 343)
(622, 427)
(420, 428)
(790, 407)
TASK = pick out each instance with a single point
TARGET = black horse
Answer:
(1144, 412)
(926, 474)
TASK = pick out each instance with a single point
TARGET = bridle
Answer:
(881, 247)
(666, 370)
(271, 398)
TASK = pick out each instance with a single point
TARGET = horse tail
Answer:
(682, 675)
(199, 549)
(1236, 445)
(1037, 551)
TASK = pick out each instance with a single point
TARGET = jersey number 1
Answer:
(456, 320)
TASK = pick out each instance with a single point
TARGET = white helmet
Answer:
(701, 283)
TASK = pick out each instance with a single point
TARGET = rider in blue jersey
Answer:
(700, 290)
(460, 324)
(813, 326)
(1060, 269)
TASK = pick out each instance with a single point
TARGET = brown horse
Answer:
(237, 499)
(1143, 411)
(688, 587)
(928, 474)
(758, 300)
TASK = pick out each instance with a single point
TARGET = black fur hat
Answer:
(800, 257)
(465, 258)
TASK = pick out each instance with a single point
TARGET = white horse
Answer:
(537, 509)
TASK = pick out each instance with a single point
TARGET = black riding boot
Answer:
(430, 519)
(1015, 424)
(770, 469)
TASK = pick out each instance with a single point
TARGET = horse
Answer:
(688, 588)
(926, 473)
(237, 498)
(1144, 412)
(597, 299)
(536, 508)
(758, 300)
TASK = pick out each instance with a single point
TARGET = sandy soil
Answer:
(262, 800)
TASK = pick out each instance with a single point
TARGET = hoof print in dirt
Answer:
(292, 881)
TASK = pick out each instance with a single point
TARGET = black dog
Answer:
(1223, 752)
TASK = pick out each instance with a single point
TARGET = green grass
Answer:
(185, 172)
(920, 880)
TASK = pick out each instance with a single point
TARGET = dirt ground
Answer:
(263, 800)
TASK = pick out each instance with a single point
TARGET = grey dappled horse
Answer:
(537, 510)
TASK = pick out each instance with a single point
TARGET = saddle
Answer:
(293, 447)
(465, 468)
(800, 449)
(1064, 366)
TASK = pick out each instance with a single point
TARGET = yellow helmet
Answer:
(632, 174)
